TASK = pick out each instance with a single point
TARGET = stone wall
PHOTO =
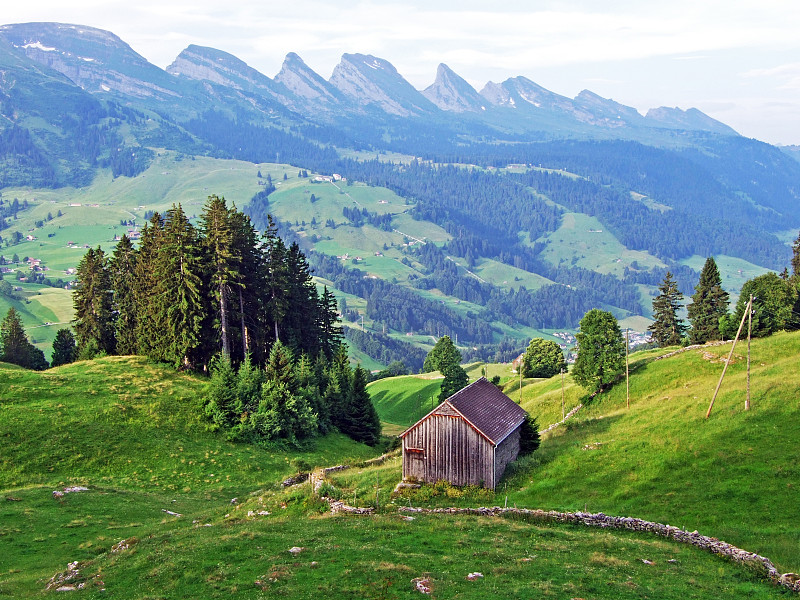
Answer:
(790, 581)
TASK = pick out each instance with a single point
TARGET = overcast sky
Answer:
(736, 60)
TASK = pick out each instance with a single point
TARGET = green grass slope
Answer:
(131, 433)
(734, 476)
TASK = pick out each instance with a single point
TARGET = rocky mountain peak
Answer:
(451, 92)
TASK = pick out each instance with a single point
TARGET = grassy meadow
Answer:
(131, 432)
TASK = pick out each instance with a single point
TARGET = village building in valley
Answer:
(468, 439)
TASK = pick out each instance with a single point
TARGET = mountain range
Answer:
(361, 86)
(672, 184)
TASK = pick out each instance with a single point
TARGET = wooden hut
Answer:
(468, 439)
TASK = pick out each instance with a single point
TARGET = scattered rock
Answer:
(474, 576)
(123, 545)
(422, 584)
(13, 499)
(407, 518)
(234, 500)
(294, 480)
(296, 550)
(647, 562)
(169, 512)
(260, 513)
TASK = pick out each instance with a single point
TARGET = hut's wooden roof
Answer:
(488, 409)
(493, 414)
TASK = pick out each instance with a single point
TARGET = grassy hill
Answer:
(732, 476)
(130, 432)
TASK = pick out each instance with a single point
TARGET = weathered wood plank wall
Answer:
(445, 446)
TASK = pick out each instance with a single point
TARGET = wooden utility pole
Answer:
(749, 331)
(627, 373)
(520, 383)
(727, 362)
(563, 416)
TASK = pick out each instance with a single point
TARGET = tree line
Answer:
(218, 297)
(776, 306)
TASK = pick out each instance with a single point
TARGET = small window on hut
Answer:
(415, 452)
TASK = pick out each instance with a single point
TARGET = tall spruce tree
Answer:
(796, 257)
(250, 283)
(179, 290)
(14, 345)
(93, 302)
(122, 269)
(276, 276)
(149, 321)
(667, 328)
(361, 421)
(64, 349)
(709, 305)
(223, 262)
(328, 326)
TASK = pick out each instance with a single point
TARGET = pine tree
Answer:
(223, 263)
(122, 270)
(92, 299)
(179, 290)
(361, 421)
(64, 349)
(796, 257)
(250, 284)
(709, 305)
(14, 345)
(149, 321)
(275, 277)
(667, 328)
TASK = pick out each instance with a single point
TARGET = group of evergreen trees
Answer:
(291, 399)
(219, 295)
(776, 306)
(188, 293)
(15, 348)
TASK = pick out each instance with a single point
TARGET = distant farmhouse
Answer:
(467, 440)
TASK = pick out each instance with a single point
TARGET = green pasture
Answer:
(583, 241)
(734, 272)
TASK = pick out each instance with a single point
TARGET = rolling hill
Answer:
(145, 504)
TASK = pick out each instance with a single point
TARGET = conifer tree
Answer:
(92, 299)
(796, 257)
(301, 323)
(667, 328)
(13, 341)
(276, 275)
(64, 349)
(250, 285)
(328, 327)
(14, 345)
(122, 269)
(361, 421)
(179, 290)
(709, 305)
(149, 321)
(223, 262)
